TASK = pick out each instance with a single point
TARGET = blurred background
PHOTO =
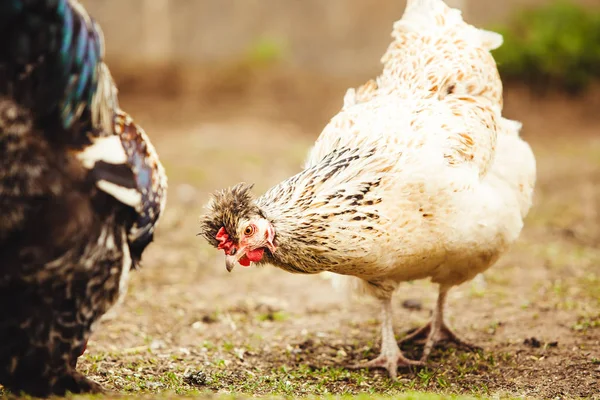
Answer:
(294, 59)
(339, 37)
(238, 90)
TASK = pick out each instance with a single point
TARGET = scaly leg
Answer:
(436, 330)
(390, 357)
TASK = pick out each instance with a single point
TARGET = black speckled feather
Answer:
(149, 179)
(294, 209)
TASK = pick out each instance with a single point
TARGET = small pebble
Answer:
(185, 351)
(198, 325)
(532, 342)
(157, 344)
(209, 319)
(196, 378)
(154, 385)
(412, 304)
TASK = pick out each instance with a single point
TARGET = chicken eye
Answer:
(250, 230)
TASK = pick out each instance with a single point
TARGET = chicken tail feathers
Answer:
(426, 15)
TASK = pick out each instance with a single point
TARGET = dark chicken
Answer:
(81, 190)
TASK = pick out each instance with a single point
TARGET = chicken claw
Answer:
(436, 331)
(391, 363)
(390, 357)
(443, 335)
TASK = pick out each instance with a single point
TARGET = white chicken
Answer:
(418, 176)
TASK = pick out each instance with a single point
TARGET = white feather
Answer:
(452, 156)
(126, 267)
(491, 40)
(428, 16)
(108, 149)
(128, 196)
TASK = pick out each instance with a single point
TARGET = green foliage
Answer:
(265, 51)
(554, 46)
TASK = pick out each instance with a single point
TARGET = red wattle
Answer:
(255, 255)
(251, 256)
(244, 261)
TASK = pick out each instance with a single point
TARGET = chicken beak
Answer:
(230, 262)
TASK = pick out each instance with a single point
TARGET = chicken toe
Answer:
(419, 335)
(436, 331)
(442, 334)
(390, 362)
(390, 357)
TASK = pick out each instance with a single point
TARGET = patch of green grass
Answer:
(223, 377)
(590, 285)
(291, 379)
(277, 316)
(586, 323)
(265, 51)
(411, 395)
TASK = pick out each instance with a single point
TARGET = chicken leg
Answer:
(390, 357)
(436, 330)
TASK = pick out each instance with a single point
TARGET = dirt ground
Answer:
(188, 326)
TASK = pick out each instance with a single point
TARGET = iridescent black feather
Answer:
(49, 42)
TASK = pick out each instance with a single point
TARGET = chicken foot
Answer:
(437, 331)
(390, 357)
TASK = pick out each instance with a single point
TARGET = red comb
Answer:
(223, 238)
(222, 235)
